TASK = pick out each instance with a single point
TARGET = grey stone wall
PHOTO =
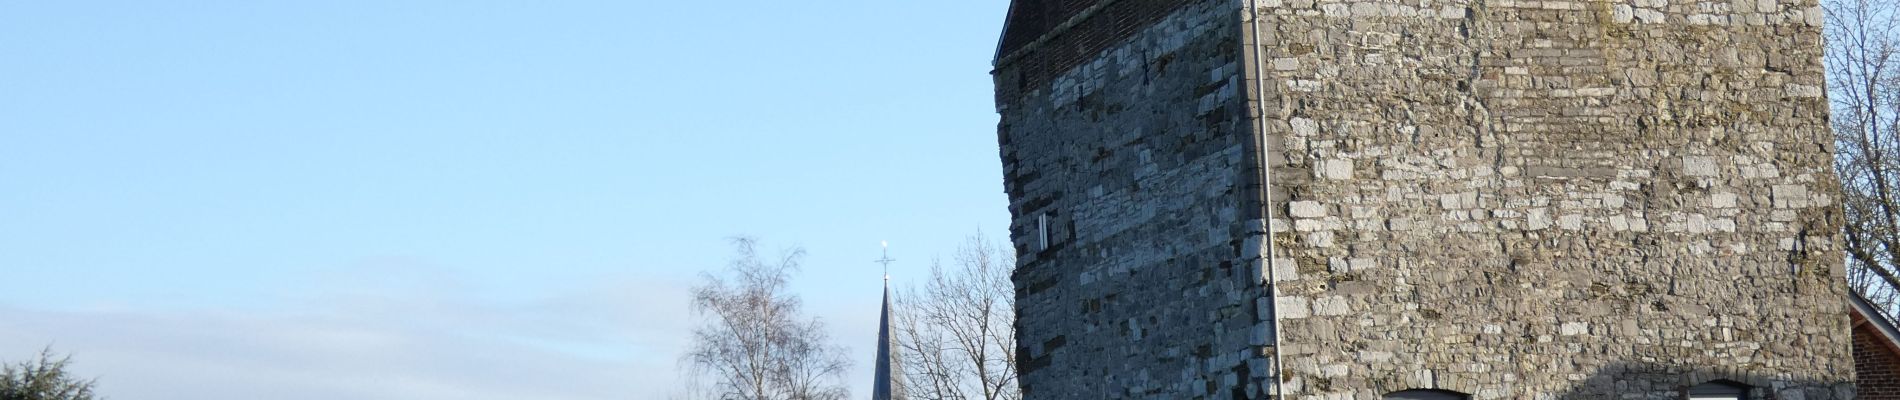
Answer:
(1135, 163)
(1515, 199)
(1557, 198)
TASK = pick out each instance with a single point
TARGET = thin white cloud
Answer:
(616, 340)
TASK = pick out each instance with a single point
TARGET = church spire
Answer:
(888, 384)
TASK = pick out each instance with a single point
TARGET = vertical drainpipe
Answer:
(1266, 189)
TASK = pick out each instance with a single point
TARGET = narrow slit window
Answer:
(1042, 232)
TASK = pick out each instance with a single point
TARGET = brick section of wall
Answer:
(1032, 19)
(1554, 199)
(1081, 43)
(1133, 160)
(1876, 365)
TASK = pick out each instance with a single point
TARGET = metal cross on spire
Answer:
(886, 260)
(888, 383)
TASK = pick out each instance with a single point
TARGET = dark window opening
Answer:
(1426, 394)
(1719, 390)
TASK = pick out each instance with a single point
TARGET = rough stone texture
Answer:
(1554, 198)
(1134, 162)
(1514, 199)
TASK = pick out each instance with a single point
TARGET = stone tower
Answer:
(1366, 199)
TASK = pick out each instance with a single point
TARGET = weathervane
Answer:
(886, 261)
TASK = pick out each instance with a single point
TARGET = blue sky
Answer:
(465, 199)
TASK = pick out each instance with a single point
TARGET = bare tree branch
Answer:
(754, 344)
(1863, 68)
(958, 334)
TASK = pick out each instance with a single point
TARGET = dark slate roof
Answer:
(886, 385)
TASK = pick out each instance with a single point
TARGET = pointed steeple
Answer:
(888, 384)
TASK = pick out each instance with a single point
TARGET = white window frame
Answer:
(1042, 232)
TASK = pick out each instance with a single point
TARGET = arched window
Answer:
(1426, 394)
(1719, 390)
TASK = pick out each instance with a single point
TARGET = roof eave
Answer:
(1008, 18)
(1867, 312)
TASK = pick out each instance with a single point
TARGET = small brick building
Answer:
(1876, 353)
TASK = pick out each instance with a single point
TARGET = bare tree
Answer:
(43, 378)
(754, 344)
(958, 335)
(1863, 70)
